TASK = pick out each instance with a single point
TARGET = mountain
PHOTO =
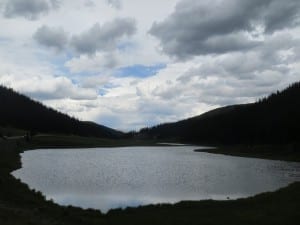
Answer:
(21, 112)
(272, 120)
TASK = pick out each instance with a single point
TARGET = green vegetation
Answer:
(67, 141)
(276, 152)
(10, 131)
(19, 205)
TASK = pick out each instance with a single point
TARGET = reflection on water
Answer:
(107, 178)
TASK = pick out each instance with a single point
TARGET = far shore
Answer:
(274, 152)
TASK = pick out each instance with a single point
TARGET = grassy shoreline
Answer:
(20, 205)
(283, 153)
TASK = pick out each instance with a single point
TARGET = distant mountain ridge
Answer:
(19, 111)
(272, 120)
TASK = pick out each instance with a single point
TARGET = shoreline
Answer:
(20, 205)
(282, 153)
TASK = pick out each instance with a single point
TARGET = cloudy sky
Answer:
(134, 63)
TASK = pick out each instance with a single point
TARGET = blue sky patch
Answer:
(140, 71)
(102, 92)
(57, 61)
(125, 46)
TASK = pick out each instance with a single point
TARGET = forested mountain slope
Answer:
(21, 112)
(272, 120)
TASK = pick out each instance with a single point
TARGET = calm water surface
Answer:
(106, 178)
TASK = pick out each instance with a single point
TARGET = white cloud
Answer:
(44, 87)
(115, 3)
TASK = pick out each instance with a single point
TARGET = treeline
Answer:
(271, 120)
(19, 111)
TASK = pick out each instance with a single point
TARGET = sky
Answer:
(128, 64)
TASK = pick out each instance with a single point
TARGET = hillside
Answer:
(19, 111)
(272, 120)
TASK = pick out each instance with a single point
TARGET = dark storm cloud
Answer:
(274, 55)
(199, 27)
(281, 14)
(51, 37)
(103, 38)
(30, 9)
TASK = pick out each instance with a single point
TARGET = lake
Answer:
(107, 178)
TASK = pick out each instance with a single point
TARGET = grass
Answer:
(284, 152)
(10, 131)
(59, 141)
(20, 205)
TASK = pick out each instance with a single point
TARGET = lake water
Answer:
(106, 178)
